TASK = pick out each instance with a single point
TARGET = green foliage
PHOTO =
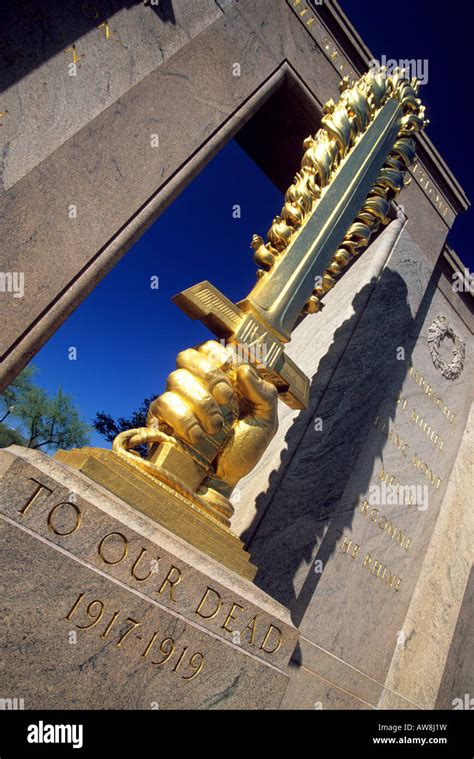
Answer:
(45, 422)
(10, 437)
(109, 428)
(11, 395)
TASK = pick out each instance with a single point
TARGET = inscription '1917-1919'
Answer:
(116, 549)
(188, 665)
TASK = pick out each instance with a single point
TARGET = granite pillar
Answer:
(353, 502)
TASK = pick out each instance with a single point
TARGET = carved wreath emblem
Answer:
(440, 329)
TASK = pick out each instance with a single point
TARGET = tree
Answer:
(12, 394)
(50, 422)
(44, 421)
(9, 436)
(109, 428)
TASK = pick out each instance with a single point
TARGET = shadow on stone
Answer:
(164, 10)
(33, 32)
(313, 502)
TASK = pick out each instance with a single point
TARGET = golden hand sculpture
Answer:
(191, 407)
(215, 420)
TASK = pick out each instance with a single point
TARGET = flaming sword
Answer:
(350, 173)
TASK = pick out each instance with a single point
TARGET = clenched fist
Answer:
(205, 381)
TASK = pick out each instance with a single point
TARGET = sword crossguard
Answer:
(252, 340)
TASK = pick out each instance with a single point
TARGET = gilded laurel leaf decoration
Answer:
(343, 124)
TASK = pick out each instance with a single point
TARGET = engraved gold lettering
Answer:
(376, 567)
(151, 642)
(170, 582)
(230, 616)
(374, 516)
(102, 546)
(95, 611)
(95, 617)
(346, 545)
(77, 520)
(203, 601)
(74, 606)
(428, 390)
(35, 495)
(267, 637)
(127, 632)
(382, 572)
(135, 565)
(109, 626)
(251, 626)
(425, 470)
(176, 666)
(105, 26)
(427, 429)
(364, 507)
(75, 57)
(392, 436)
(198, 667)
(166, 654)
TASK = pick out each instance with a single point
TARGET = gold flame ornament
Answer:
(342, 127)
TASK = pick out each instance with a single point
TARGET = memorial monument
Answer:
(313, 553)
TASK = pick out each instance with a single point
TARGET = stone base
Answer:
(163, 504)
(105, 609)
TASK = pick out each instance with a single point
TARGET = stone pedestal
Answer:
(105, 609)
(357, 516)
(192, 520)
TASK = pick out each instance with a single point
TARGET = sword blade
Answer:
(278, 298)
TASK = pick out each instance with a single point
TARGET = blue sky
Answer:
(440, 33)
(127, 334)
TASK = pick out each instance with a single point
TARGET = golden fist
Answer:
(205, 381)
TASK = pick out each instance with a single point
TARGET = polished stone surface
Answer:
(435, 666)
(116, 46)
(334, 562)
(458, 675)
(73, 538)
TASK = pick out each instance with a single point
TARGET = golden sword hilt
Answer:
(250, 339)
(192, 469)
